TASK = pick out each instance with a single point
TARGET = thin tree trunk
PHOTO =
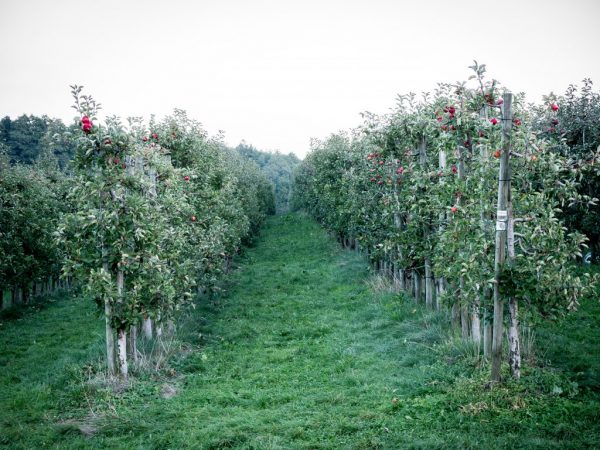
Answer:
(455, 314)
(132, 344)
(147, 328)
(441, 290)
(429, 284)
(109, 331)
(464, 322)
(514, 355)
(122, 332)
(487, 334)
(122, 344)
(476, 324)
(417, 285)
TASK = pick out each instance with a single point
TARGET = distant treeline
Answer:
(28, 137)
(279, 168)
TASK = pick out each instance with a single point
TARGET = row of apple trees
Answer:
(31, 201)
(158, 212)
(457, 197)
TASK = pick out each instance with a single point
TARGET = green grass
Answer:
(297, 352)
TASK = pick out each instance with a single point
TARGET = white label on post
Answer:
(500, 226)
(502, 214)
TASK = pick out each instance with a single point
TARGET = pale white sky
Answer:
(277, 73)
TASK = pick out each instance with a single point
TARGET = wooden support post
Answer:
(502, 218)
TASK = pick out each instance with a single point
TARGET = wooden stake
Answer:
(501, 235)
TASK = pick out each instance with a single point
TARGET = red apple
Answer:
(493, 121)
(454, 209)
(554, 107)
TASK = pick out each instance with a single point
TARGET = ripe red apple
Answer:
(154, 136)
(517, 122)
(451, 110)
(193, 218)
(499, 102)
(554, 107)
(373, 180)
(454, 209)
(493, 121)
(85, 119)
(145, 139)
(440, 118)
(497, 154)
(444, 127)
(186, 178)
(454, 169)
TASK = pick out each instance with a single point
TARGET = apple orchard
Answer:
(460, 198)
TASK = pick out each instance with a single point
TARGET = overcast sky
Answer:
(277, 72)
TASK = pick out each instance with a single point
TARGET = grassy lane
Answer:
(299, 352)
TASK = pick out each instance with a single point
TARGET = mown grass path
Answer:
(298, 352)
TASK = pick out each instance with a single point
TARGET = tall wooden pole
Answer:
(501, 234)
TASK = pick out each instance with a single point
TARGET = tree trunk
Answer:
(109, 331)
(455, 314)
(122, 332)
(429, 284)
(487, 334)
(476, 325)
(416, 285)
(132, 344)
(514, 355)
(441, 290)
(122, 344)
(26, 293)
(464, 322)
(501, 236)
(147, 328)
